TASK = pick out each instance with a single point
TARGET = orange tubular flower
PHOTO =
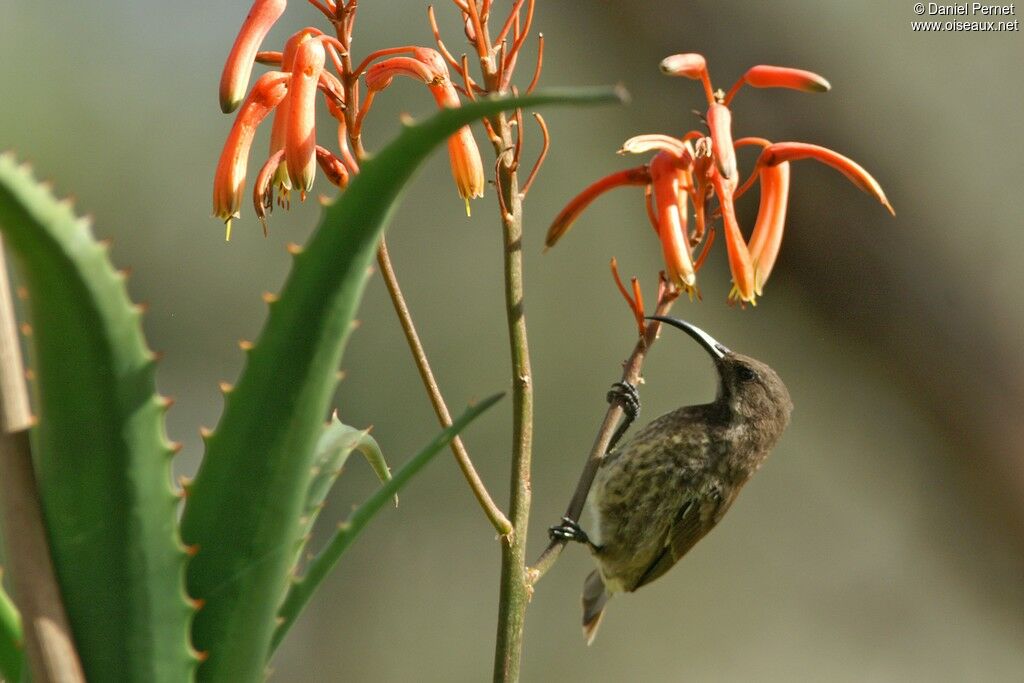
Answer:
(766, 238)
(739, 255)
(720, 124)
(278, 130)
(764, 76)
(300, 132)
(681, 172)
(565, 219)
(670, 185)
(229, 181)
(238, 68)
(792, 151)
(427, 65)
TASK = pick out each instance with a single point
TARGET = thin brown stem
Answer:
(377, 54)
(49, 643)
(470, 85)
(500, 78)
(497, 518)
(520, 38)
(539, 66)
(630, 373)
(545, 145)
(508, 22)
(478, 28)
(448, 57)
(517, 152)
(327, 11)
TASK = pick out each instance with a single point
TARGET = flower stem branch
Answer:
(631, 372)
(515, 589)
(497, 518)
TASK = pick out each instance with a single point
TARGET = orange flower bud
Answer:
(300, 132)
(238, 67)
(687, 65)
(278, 130)
(791, 151)
(565, 219)
(764, 76)
(333, 167)
(229, 180)
(719, 121)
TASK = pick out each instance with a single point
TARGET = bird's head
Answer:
(752, 391)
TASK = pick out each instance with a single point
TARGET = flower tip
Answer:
(238, 67)
(229, 100)
(688, 65)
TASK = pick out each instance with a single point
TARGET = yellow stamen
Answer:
(467, 207)
(227, 230)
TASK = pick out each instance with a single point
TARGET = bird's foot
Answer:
(569, 530)
(624, 395)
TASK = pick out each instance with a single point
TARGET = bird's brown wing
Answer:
(694, 520)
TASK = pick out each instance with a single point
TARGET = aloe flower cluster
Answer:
(690, 170)
(314, 65)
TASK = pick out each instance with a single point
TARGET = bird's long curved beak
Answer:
(709, 343)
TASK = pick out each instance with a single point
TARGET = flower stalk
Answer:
(681, 173)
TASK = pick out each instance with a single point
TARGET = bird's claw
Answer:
(568, 530)
(626, 396)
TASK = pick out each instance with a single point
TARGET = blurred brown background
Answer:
(883, 541)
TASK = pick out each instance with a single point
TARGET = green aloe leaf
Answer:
(101, 454)
(332, 450)
(243, 511)
(303, 588)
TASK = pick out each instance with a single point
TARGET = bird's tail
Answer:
(595, 595)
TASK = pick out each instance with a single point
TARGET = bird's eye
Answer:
(746, 374)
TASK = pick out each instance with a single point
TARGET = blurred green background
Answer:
(884, 539)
